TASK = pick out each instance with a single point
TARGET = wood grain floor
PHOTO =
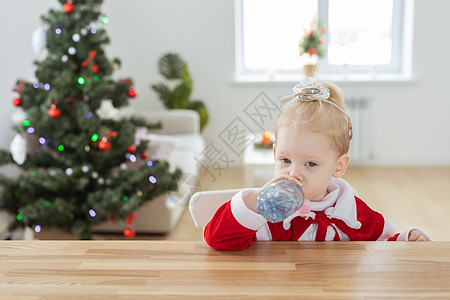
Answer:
(407, 196)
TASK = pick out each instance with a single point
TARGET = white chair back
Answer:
(203, 205)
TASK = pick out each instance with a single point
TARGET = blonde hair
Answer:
(322, 117)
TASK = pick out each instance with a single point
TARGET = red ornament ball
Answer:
(17, 102)
(131, 148)
(144, 155)
(129, 233)
(54, 112)
(132, 93)
(104, 145)
(68, 8)
(95, 68)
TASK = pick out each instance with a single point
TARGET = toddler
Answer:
(313, 134)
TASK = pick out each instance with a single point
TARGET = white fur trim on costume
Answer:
(339, 204)
(243, 214)
(287, 221)
(264, 234)
(345, 207)
(404, 235)
(310, 233)
(388, 231)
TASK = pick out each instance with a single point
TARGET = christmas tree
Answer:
(84, 166)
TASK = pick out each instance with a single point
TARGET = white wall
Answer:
(411, 121)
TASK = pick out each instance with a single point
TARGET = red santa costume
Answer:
(339, 216)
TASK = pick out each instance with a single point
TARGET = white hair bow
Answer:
(308, 91)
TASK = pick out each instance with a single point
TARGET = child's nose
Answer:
(296, 174)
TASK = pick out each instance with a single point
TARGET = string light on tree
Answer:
(72, 50)
(76, 37)
(152, 179)
(104, 20)
(92, 213)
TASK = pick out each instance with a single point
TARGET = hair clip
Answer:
(308, 87)
(307, 90)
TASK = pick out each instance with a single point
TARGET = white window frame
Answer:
(399, 69)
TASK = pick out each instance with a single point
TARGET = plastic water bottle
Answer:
(280, 200)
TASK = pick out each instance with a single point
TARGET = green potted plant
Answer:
(176, 72)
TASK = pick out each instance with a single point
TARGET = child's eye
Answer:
(311, 164)
(286, 160)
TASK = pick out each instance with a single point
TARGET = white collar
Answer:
(339, 203)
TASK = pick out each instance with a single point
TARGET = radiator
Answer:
(360, 144)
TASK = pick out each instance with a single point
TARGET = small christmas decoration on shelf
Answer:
(311, 47)
(265, 141)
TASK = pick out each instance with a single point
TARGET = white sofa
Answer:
(180, 143)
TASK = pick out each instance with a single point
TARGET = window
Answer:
(364, 39)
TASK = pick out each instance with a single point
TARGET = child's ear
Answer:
(341, 165)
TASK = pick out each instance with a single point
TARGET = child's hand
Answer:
(415, 236)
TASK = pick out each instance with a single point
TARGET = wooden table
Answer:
(148, 269)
